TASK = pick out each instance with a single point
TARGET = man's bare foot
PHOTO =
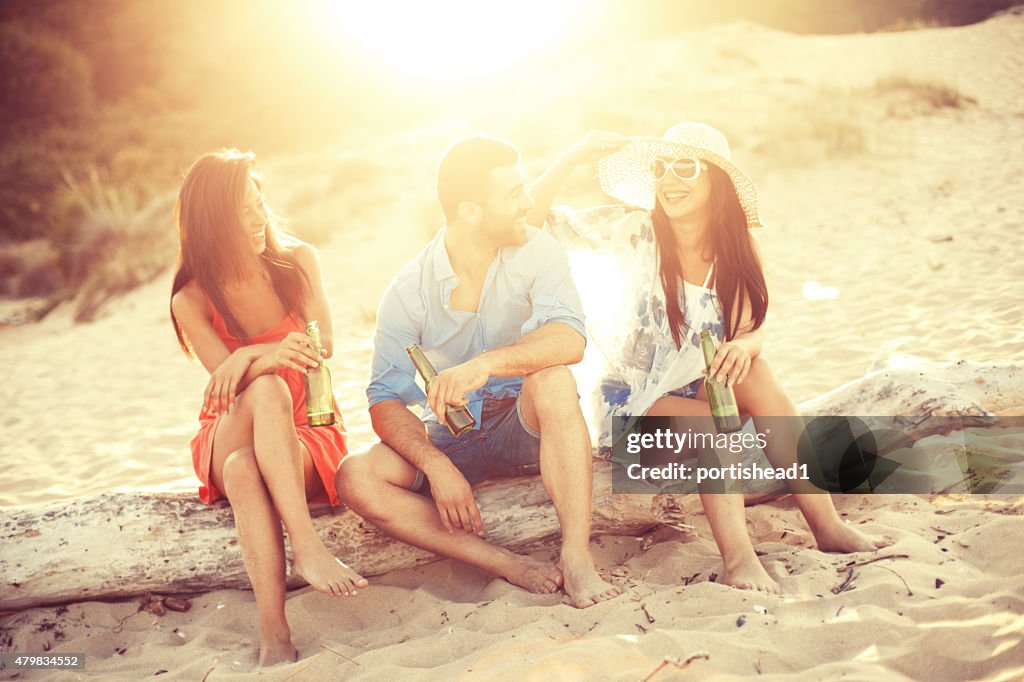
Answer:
(326, 573)
(532, 575)
(583, 584)
(277, 649)
(749, 574)
(842, 538)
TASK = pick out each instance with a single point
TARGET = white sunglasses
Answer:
(684, 169)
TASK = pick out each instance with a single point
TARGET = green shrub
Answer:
(29, 269)
(911, 24)
(43, 80)
(107, 243)
(45, 86)
(912, 96)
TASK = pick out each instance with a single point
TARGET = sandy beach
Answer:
(893, 232)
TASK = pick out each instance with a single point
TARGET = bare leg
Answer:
(549, 404)
(235, 470)
(375, 484)
(282, 463)
(262, 544)
(762, 394)
(725, 512)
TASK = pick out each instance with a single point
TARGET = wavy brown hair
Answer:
(213, 247)
(738, 276)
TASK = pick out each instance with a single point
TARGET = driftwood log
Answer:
(120, 545)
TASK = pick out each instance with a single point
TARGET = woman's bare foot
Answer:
(749, 574)
(842, 538)
(277, 649)
(583, 584)
(326, 573)
(531, 574)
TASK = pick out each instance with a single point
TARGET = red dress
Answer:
(326, 444)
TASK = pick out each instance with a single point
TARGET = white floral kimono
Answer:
(641, 361)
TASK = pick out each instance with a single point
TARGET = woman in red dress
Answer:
(241, 295)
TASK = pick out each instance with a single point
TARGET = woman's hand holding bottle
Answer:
(731, 363)
(296, 351)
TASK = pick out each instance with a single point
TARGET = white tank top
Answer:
(668, 368)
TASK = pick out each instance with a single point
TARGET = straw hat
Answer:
(626, 175)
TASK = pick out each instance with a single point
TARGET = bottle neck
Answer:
(422, 364)
(707, 346)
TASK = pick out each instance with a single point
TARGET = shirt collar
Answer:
(442, 264)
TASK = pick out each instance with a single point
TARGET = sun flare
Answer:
(448, 40)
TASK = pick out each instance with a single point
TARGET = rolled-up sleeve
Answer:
(553, 294)
(392, 374)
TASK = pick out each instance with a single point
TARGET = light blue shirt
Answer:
(526, 287)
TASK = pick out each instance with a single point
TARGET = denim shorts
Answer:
(615, 393)
(689, 390)
(503, 447)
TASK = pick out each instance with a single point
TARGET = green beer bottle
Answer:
(319, 396)
(720, 397)
(457, 418)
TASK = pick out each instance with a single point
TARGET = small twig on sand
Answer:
(909, 592)
(846, 584)
(300, 669)
(680, 664)
(338, 653)
(689, 579)
(849, 567)
(970, 478)
(208, 673)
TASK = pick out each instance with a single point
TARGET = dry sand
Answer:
(905, 240)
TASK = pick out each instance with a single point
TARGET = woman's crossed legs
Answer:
(268, 475)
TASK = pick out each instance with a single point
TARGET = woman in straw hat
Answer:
(690, 264)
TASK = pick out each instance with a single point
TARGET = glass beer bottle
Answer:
(720, 396)
(319, 396)
(457, 418)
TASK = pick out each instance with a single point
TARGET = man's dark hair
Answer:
(464, 169)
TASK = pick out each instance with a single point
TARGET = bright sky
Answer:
(447, 41)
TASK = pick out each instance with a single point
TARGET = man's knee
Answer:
(358, 481)
(551, 385)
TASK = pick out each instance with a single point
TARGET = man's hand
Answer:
(451, 386)
(454, 498)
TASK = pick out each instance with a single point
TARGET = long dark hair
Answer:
(738, 274)
(213, 247)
